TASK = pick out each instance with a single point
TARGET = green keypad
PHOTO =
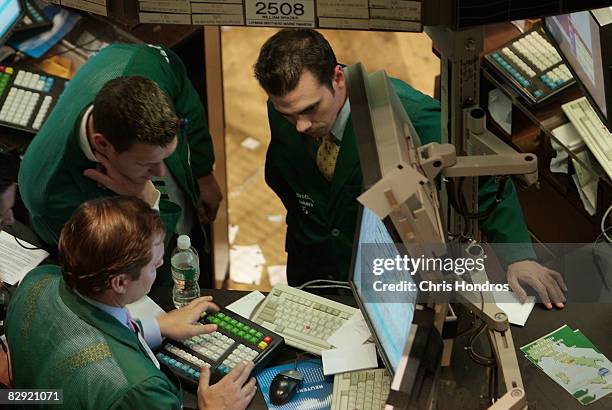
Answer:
(235, 327)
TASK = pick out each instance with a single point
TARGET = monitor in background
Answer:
(584, 39)
(389, 319)
(11, 13)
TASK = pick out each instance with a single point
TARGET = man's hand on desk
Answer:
(108, 176)
(231, 393)
(546, 282)
(183, 323)
(210, 198)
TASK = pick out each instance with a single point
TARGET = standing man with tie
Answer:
(68, 327)
(312, 164)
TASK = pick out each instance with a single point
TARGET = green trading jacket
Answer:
(51, 179)
(321, 217)
(59, 341)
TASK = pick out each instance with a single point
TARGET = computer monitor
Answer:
(11, 12)
(389, 319)
(584, 40)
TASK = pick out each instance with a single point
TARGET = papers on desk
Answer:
(516, 311)
(145, 308)
(246, 304)
(586, 183)
(16, 261)
(569, 358)
(350, 352)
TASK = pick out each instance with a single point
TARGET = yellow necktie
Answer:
(327, 154)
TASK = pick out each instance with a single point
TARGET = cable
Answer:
(603, 224)
(597, 260)
(333, 282)
(74, 48)
(30, 248)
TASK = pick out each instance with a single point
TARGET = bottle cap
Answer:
(183, 242)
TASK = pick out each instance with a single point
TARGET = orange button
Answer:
(8, 70)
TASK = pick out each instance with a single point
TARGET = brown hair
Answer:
(104, 238)
(128, 110)
(287, 54)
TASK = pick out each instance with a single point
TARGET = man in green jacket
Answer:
(128, 123)
(68, 327)
(309, 115)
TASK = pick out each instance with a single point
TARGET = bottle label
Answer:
(187, 274)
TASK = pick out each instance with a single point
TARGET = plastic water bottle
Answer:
(185, 272)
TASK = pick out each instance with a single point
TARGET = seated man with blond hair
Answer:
(68, 327)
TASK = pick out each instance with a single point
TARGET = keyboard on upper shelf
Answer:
(532, 65)
(236, 340)
(365, 389)
(303, 319)
(592, 130)
(33, 22)
(27, 97)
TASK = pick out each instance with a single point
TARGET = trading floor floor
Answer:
(253, 208)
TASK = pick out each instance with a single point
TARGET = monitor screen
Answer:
(10, 12)
(390, 320)
(579, 38)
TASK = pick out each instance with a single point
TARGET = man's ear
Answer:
(339, 79)
(119, 283)
(100, 144)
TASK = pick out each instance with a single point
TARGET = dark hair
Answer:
(104, 238)
(9, 169)
(289, 52)
(128, 110)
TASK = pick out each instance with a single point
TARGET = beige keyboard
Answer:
(303, 319)
(363, 390)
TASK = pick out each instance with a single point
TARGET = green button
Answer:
(252, 331)
(240, 325)
(241, 334)
(227, 319)
(234, 322)
(258, 335)
(221, 315)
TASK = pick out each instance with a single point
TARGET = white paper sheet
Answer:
(246, 264)
(517, 312)
(246, 304)
(349, 358)
(15, 261)
(232, 232)
(145, 308)
(277, 274)
(250, 143)
(354, 331)
(275, 218)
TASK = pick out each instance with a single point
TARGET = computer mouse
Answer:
(284, 385)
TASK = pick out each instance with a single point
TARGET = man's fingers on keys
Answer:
(204, 378)
(244, 376)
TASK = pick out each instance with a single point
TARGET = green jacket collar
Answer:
(97, 318)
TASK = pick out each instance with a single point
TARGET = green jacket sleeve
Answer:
(506, 225)
(151, 394)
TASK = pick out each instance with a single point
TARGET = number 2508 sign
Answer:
(281, 13)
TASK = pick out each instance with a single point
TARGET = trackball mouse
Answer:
(284, 385)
